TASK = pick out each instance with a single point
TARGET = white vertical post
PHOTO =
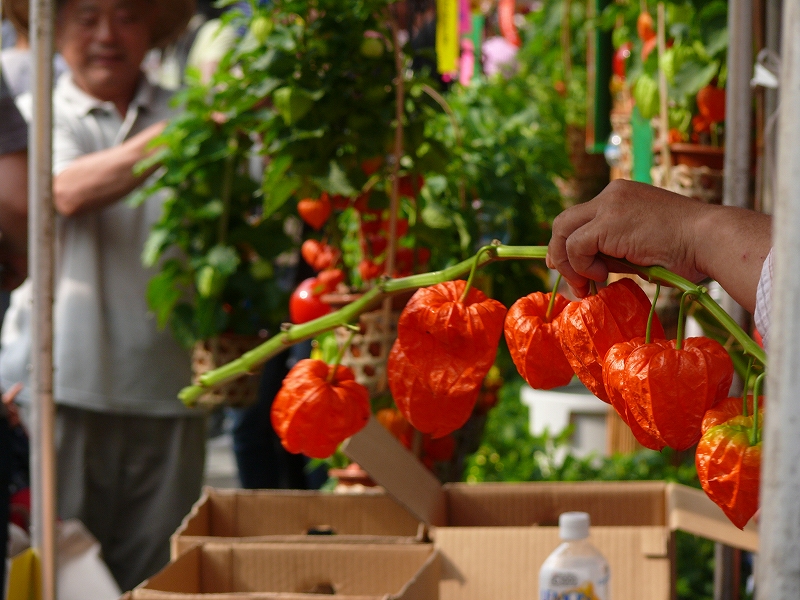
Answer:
(778, 576)
(738, 116)
(41, 258)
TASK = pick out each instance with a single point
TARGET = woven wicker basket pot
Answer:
(215, 352)
(369, 349)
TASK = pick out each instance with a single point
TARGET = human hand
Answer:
(12, 413)
(640, 223)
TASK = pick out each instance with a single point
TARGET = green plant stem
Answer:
(705, 300)
(250, 361)
(340, 356)
(746, 386)
(592, 287)
(755, 434)
(475, 262)
(682, 319)
(648, 330)
(552, 302)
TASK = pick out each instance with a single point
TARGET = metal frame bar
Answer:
(778, 573)
(41, 229)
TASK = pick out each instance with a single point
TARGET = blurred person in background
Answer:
(16, 59)
(13, 252)
(130, 455)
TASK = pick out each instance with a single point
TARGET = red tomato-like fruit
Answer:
(319, 255)
(644, 27)
(711, 103)
(620, 60)
(402, 227)
(330, 278)
(315, 212)
(305, 304)
(410, 185)
(369, 270)
(370, 165)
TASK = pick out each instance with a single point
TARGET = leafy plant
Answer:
(215, 247)
(697, 35)
(508, 145)
(297, 108)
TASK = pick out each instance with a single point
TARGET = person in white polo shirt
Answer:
(130, 455)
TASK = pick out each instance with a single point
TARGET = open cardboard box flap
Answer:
(494, 537)
(294, 515)
(619, 504)
(222, 571)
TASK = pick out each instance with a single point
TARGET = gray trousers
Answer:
(131, 480)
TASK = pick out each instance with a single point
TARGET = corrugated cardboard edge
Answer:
(690, 510)
(200, 510)
(188, 570)
(392, 466)
(425, 584)
(185, 543)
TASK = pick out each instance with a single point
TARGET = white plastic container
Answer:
(575, 570)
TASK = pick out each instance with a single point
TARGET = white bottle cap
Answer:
(573, 526)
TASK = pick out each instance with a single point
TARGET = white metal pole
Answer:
(778, 576)
(41, 258)
(738, 116)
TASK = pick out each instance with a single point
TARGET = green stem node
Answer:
(552, 299)
(648, 331)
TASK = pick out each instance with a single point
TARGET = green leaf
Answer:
(336, 182)
(146, 163)
(436, 218)
(224, 259)
(645, 95)
(692, 76)
(716, 41)
(278, 194)
(183, 326)
(162, 295)
(292, 103)
(154, 246)
(328, 346)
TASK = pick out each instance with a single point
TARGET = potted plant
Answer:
(695, 70)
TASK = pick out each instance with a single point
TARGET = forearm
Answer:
(731, 246)
(14, 202)
(102, 178)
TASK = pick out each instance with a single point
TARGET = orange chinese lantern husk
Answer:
(312, 415)
(727, 409)
(729, 469)
(431, 409)
(668, 390)
(444, 349)
(588, 329)
(395, 423)
(614, 380)
(534, 343)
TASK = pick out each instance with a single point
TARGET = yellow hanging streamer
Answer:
(446, 36)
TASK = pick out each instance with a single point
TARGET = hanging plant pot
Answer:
(215, 352)
(698, 155)
(369, 349)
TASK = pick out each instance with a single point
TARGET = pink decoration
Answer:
(467, 61)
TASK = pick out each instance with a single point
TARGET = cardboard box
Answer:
(276, 515)
(293, 571)
(495, 537)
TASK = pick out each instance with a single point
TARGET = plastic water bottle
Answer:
(575, 570)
